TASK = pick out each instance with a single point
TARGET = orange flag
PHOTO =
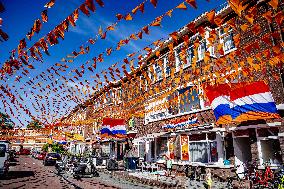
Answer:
(128, 17)
(192, 3)
(274, 4)
(154, 2)
(50, 4)
(181, 6)
(211, 16)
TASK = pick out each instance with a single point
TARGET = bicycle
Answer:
(264, 179)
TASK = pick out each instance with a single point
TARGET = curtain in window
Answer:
(198, 152)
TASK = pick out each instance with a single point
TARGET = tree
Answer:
(35, 124)
(55, 147)
(5, 121)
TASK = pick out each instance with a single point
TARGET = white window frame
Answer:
(160, 76)
(207, 148)
(188, 59)
(166, 64)
(178, 63)
(200, 55)
(223, 36)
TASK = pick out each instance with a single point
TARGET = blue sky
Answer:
(18, 19)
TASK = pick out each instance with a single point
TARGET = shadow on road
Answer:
(13, 163)
(19, 174)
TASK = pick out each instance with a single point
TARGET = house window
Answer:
(188, 100)
(202, 152)
(167, 66)
(228, 42)
(201, 50)
(173, 107)
(190, 55)
(179, 59)
(151, 76)
(158, 72)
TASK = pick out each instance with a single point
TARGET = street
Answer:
(28, 173)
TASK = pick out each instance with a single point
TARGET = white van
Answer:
(4, 156)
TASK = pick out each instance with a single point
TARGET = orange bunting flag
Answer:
(174, 35)
(268, 16)
(140, 34)
(109, 51)
(139, 7)
(100, 2)
(274, 4)
(31, 66)
(146, 30)
(211, 16)
(92, 41)
(244, 27)
(50, 4)
(128, 17)
(37, 26)
(44, 16)
(111, 27)
(169, 13)
(154, 2)
(156, 22)
(133, 36)
(181, 6)
(119, 16)
(84, 10)
(90, 4)
(192, 3)
(191, 27)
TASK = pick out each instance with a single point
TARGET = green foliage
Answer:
(5, 121)
(55, 147)
(35, 124)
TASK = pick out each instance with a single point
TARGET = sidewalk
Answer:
(159, 180)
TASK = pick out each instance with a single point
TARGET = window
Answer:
(228, 42)
(179, 59)
(167, 66)
(190, 55)
(202, 152)
(201, 50)
(151, 76)
(173, 108)
(189, 100)
(158, 72)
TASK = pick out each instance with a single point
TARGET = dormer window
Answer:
(190, 55)
(167, 65)
(228, 42)
(158, 72)
(201, 50)
(178, 57)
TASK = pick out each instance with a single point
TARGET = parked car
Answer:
(41, 156)
(51, 158)
(25, 152)
(4, 157)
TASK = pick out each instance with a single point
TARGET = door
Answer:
(242, 151)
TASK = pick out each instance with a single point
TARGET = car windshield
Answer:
(54, 155)
(2, 150)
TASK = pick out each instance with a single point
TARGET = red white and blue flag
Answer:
(115, 128)
(238, 102)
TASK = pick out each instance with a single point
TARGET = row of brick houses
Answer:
(167, 109)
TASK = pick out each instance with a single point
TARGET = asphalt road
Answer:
(29, 173)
